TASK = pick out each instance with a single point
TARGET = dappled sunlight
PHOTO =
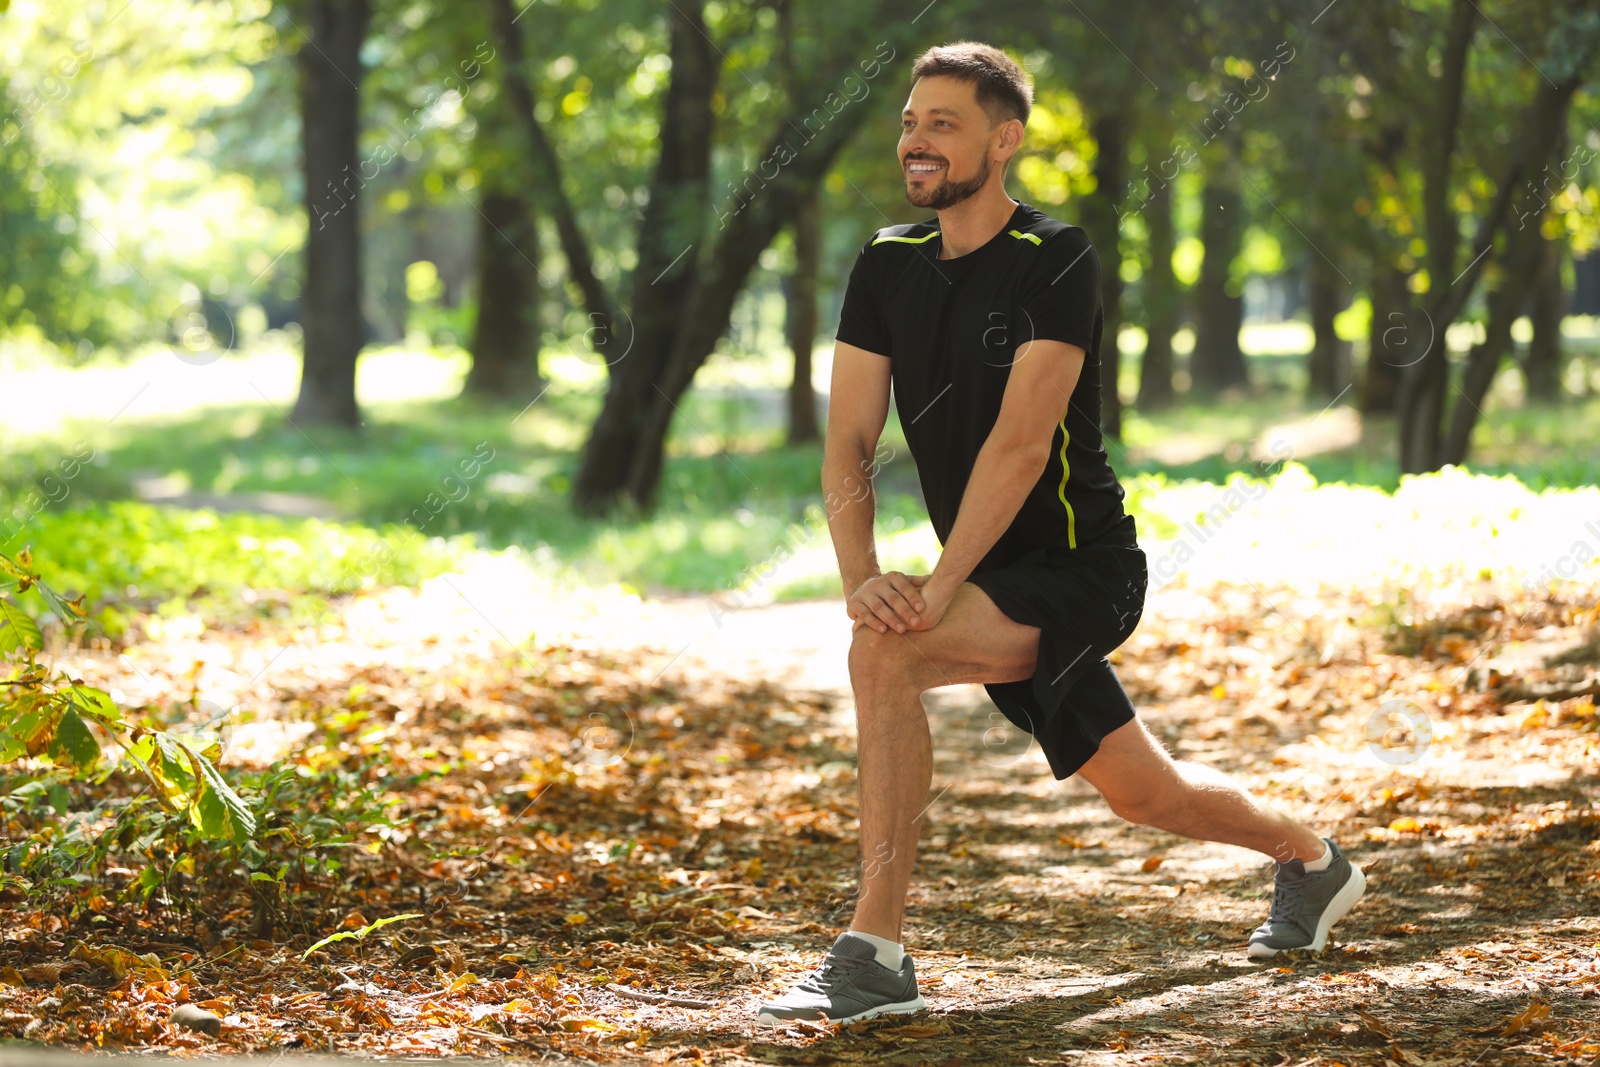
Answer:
(154, 384)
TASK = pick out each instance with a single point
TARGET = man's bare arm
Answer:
(858, 407)
(1011, 459)
(857, 410)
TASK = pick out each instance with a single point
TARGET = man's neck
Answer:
(972, 223)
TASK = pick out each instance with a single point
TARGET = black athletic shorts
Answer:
(1086, 601)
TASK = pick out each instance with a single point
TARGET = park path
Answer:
(1044, 929)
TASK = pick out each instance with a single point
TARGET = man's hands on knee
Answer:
(887, 602)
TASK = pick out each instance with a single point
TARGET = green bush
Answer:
(125, 551)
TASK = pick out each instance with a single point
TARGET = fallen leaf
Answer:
(48, 973)
(1527, 1017)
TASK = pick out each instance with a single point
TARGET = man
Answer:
(988, 321)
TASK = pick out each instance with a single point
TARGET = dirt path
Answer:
(666, 800)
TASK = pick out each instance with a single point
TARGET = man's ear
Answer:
(1010, 139)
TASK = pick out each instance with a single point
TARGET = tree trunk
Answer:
(1422, 384)
(802, 318)
(506, 336)
(1423, 446)
(330, 109)
(1101, 217)
(1541, 133)
(1217, 362)
(1524, 248)
(1161, 303)
(668, 269)
(608, 331)
(1328, 369)
(1392, 341)
(1545, 309)
(683, 294)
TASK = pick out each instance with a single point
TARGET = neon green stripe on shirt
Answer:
(1066, 471)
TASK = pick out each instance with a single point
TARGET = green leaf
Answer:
(35, 726)
(96, 704)
(168, 771)
(73, 744)
(360, 934)
(65, 610)
(221, 812)
(17, 630)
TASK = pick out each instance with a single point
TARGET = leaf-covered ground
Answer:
(623, 843)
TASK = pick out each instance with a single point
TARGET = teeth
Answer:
(923, 168)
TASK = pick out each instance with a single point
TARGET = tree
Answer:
(330, 108)
(1217, 362)
(1465, 170)
(1101, 217)
(801, 318)
(507, 332)
(1392, 340)
(1328, 364)
(800, 292)
(1161, 302)
(1542, 368)
(688, 274)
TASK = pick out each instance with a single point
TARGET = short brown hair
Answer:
(1004, 89)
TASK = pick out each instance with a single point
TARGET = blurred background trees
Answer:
(1385, 209)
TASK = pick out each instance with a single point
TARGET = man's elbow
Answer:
(1024, 453)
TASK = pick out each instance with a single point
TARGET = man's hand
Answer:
(889, 601)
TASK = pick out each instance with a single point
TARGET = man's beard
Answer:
(947, 193)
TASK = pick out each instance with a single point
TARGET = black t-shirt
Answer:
(951, 327)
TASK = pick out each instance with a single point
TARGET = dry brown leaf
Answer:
(1526, 1018)
(45, 972)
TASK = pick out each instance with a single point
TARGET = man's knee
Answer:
(883, 661)
(1140, 809)
(1140, 782)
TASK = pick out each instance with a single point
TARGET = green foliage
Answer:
(125, 550)
(42, 270)
(199, 825)
(48, 717)
(361, 934)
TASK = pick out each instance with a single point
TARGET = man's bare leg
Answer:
(974, 642)
(1143, 784)
(977, 642)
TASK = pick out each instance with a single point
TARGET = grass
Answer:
(737, 509)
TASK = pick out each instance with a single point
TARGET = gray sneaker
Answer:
(848, 984)
(1306, 903)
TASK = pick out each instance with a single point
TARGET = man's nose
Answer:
(914, 144)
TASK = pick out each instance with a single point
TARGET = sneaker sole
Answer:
(905, 1007)
(1342, 902)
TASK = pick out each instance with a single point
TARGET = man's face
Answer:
(945, 143)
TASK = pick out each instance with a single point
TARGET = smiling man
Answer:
(987, 320)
